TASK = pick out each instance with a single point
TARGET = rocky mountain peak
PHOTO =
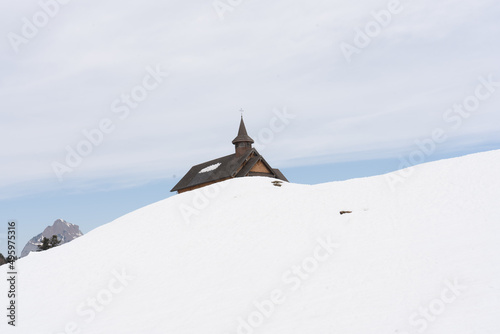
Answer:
(65, 232)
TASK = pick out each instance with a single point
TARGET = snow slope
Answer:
(257, 258)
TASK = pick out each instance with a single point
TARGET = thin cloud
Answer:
(262, 56)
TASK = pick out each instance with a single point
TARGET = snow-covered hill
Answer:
(246, 256)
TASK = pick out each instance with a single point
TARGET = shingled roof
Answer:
(224, 168)
(246, 161)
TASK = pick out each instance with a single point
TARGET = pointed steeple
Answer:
(242, 142)
(242, 134)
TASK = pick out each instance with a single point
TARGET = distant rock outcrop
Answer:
(2, 260)
(65, 232)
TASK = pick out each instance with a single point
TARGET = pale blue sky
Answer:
(351, 117)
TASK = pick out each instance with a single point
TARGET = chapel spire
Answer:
(242, 142)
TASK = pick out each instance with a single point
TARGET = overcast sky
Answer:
(392, 87)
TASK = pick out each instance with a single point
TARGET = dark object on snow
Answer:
(344, 212)
(246, 161)
(277, 183)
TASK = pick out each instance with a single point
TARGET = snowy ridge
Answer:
(245, 256)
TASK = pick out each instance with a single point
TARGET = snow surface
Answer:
(210, 168)
(201, 261)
